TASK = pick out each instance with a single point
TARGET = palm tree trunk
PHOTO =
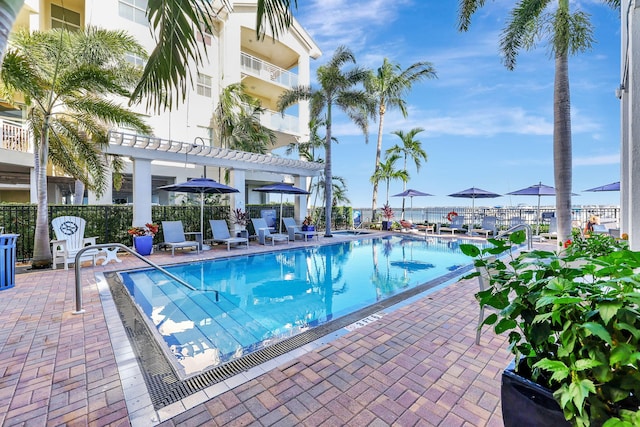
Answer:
(562, 146)
(404, 187)
(374, 199)
(41, 248)
(328, 176)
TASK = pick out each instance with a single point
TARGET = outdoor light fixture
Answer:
(619, 91)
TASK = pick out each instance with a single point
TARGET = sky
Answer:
(484, 126)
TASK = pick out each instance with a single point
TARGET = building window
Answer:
(204, 85)
(133, 10)
(135, 60)
(203, 36)
(64, 18)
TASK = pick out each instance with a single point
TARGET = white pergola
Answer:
(142, 150)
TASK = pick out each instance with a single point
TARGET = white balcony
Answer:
(15, 136)
(266, 71)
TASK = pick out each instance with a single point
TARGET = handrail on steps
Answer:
(516, 227)
(79, 309)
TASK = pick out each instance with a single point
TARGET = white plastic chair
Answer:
(69, 231)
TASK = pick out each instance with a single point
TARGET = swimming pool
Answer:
(244, 304)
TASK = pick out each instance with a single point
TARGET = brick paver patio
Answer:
(416, 366)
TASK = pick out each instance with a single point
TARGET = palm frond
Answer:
(276, 13)
(467, 9)
(522, 30)
(165, 76)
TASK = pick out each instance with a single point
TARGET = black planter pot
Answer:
(386, 225)
(525, 403)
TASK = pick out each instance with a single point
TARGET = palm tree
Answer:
(410, 148)
(568, 33)
(387, 171)
(388, 86)
(337, 87)
(238, 124)
(65, 78)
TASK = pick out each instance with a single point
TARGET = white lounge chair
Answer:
(553, 229)
(488, 226)
(456, 225)
(175, 237)
(264, 233)
(69, 231)
(294, 230)
(221, 234)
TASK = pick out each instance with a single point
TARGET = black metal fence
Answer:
(110, 223)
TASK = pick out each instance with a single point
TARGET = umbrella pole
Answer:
(201, 220)
(411, 213)
(280, 222)
(538, 219)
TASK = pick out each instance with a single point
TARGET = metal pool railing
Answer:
(79, 309)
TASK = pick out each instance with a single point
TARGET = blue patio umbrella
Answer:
(411, 194)
(202, 186)
(474, 193)
(536, 190)
(282, 188)
(614, 186)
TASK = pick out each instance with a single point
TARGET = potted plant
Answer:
(143, 237)
(573, 322)
(387, 213)
(307, 225)
(240, 219)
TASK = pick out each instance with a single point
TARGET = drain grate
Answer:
(164, 385)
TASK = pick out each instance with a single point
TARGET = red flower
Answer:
(567, 243)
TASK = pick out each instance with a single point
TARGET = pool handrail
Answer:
(79, 309)
(516, 227)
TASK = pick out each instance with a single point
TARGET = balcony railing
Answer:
(264, 70)
(14, 136)
(276, 121)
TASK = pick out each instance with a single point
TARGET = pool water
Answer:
(243, 304)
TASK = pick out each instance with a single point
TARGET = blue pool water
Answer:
(242, 304)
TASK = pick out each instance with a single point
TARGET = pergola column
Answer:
(141, 192)
(237, 180)
(301, 203)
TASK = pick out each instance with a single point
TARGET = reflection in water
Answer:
(265, 298)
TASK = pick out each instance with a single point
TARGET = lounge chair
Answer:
(269, 216)
(294, 230)
(456, 225)
(69, 231)
(516, 220)
(221, 233)
(553, 229)
(175, 237)
(264, 233)
(488, 226)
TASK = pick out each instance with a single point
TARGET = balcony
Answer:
(278, 122)
(14, 136)
(266, 71)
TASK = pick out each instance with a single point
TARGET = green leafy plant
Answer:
(573, 322)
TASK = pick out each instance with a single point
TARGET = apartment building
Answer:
(183, 145)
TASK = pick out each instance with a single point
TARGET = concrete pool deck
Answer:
(416, 365)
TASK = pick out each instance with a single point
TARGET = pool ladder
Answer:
(79, 309)
(525, 227)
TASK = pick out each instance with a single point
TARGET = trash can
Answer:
(8, 260)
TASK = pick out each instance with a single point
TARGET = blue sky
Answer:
(485, 126)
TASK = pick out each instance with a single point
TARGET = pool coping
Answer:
(139, 402)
